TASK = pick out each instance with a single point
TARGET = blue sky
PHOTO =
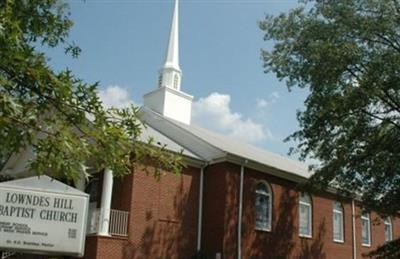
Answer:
(123, 45)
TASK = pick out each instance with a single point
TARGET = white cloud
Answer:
(275, 96)
(261, 103)
(214, 112)
(115, 96)
(264, 103)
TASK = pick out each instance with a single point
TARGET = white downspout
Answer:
(239, 252)
(200, 216)
(106, 196)
(353, 214)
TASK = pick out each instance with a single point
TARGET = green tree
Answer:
(58, 114)
(347, 54)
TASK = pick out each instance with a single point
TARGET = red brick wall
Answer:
(121, 199)
(232, 180)
(257, 244)
(214, 193)
(91, 247)
(106, 247)
(377, 231)
(220, 210)
(163, 219)
(396, 227)
(221, 192)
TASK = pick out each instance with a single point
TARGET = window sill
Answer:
(305, 236)
(263, 229)
(366, 245)
(338, 241)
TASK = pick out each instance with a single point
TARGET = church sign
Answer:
(42, 215)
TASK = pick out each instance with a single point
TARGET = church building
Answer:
(233, 200)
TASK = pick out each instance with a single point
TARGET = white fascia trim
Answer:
(266, 169)
(224, 155)
(262, 168)
(180, 93)
(169, 89)
(198, 163)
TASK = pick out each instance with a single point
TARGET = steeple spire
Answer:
(171, 74)
(172, 55)
(168, 100)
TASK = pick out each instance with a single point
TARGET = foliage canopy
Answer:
(347, 53)
(58, 114)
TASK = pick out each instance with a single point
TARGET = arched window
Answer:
(388, 229)
(176, 81)
(305, 215)
(366, 229)
(263, 206)
(160, 80)
(338, 222)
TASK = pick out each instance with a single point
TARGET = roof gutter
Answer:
(264, 168)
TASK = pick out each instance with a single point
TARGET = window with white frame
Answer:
(388, 229)
(263, 206)
(305, 215)
(366, 229)
(338, 222)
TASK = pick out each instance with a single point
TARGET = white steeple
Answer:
(170, 73)
(168, 100)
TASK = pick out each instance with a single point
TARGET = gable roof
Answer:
(213, 147)
(199, 145)
(18, 162)
(161, 140)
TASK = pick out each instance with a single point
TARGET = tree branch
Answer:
(380, 118)
(388, 41)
